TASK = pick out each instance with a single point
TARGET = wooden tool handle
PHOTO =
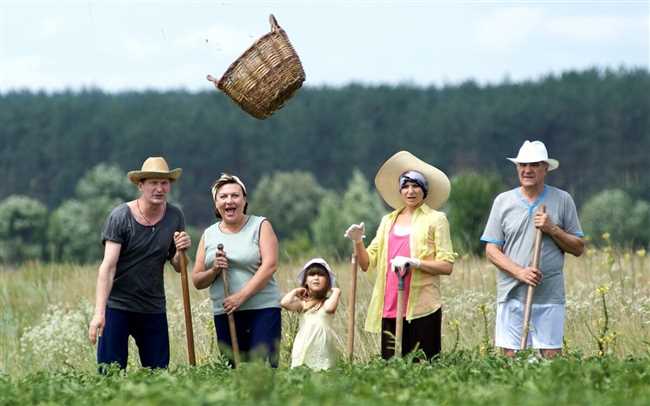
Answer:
(189, 330)
(352, 305)
(537, 248)
(232, 328)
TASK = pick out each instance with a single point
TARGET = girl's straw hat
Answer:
(387, 180)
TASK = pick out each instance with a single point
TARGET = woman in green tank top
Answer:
(249, 256)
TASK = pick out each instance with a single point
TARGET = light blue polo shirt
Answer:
(511, 227)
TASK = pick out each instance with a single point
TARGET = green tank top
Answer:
(244, 259)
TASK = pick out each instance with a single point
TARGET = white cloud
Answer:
(507, 29)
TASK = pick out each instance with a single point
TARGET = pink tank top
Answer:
(397, 245)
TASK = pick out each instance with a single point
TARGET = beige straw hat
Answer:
(154, 167)
(387, 180)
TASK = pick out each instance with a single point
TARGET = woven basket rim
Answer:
(250, 49)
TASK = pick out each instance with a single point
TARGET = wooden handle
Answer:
(189, 330)
(399, 323)
(353, 299)
(537, 248)
(232, 328)
(274, 23)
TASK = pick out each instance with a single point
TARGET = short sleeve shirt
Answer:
(138, 285)
(511, 227)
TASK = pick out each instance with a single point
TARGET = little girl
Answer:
(315, 343)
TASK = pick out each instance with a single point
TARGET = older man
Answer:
(509, 236)
(139, 237)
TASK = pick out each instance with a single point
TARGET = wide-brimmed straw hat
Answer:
(154, 168)
(534, 152)
(317, 261)
(387, 180)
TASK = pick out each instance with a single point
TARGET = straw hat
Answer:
(534, 152)
(154, 167)
(387, 180)
(317, 261)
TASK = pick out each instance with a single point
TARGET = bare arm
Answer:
(269, 254)
(567, 242)
(436, 267)
(105, 277)
(333, 301)
(293, 300)
(201, 277)
(528, 275)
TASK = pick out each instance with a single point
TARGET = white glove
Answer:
(400, 262)
(355, 232)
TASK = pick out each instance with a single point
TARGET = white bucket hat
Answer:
(317, 261)
(534, 151)
(387, 180)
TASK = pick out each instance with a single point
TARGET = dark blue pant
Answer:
(150, 332)
(258, 334)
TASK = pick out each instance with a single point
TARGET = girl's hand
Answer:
(301, 293)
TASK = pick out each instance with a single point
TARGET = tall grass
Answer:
(45, 310)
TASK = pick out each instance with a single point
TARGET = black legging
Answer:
(423, 332)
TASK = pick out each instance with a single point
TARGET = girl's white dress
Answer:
(315, 342)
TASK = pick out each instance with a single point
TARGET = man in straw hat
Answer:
(509, 236)
(414, 234)
(138, 237)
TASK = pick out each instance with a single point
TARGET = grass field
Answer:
(45, 356)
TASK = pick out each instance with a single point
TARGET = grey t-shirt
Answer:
(511, 226)
(138, 285)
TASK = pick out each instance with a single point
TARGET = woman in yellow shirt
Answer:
(414, 233)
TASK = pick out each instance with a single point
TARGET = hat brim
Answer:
(137, 176)
(552, 163)
(317, 261)
(387, 180)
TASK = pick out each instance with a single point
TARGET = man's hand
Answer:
(96, 328)
(400, 262)
(544, 223)
(355, 232)
(182, 240)
(530, 276)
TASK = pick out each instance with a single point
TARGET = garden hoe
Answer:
(231, 317)
(531, 289)
(399, 322)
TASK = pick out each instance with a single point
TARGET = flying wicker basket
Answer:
(265, 76)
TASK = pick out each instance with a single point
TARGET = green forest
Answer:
(595, 122)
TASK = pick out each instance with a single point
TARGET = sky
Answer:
(119, 45)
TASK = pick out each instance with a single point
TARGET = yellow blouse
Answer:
(429, 239)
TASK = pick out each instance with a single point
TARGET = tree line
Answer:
(594, 121)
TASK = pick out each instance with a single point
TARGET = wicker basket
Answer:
(265, 76)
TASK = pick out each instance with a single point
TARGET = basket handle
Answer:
(274, 23)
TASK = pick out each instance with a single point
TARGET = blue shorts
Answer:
(150, 332)
(258, 334)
